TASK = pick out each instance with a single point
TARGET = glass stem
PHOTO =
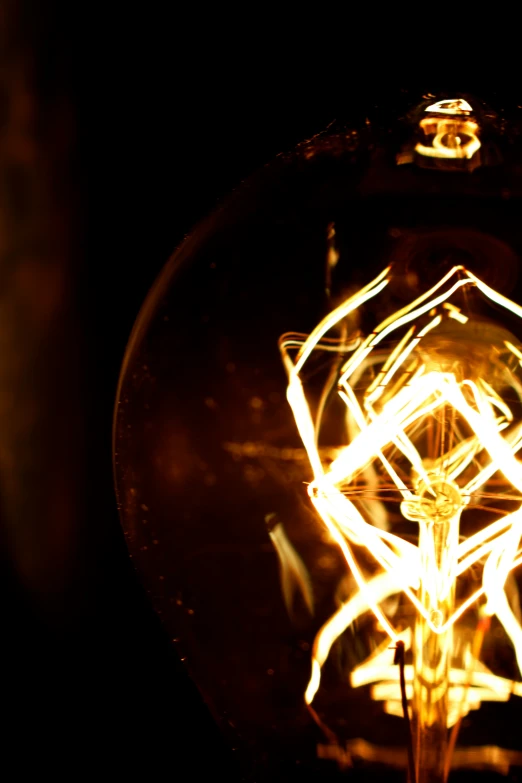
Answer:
(432, 651)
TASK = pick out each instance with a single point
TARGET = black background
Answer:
(161, 124)
(166, 120)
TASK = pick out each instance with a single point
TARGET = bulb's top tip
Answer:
(453, 107)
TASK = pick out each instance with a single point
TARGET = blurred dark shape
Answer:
(89, 677)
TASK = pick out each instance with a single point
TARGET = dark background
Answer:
(118, 133)
(139, 124)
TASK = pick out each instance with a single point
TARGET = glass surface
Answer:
(212, 472)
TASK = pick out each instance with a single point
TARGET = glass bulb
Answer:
(316, 451)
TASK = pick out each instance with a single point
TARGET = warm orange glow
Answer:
(433, 425)
(449, 138)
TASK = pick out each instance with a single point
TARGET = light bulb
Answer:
(318, 521)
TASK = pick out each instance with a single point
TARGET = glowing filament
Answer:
(398, 401)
